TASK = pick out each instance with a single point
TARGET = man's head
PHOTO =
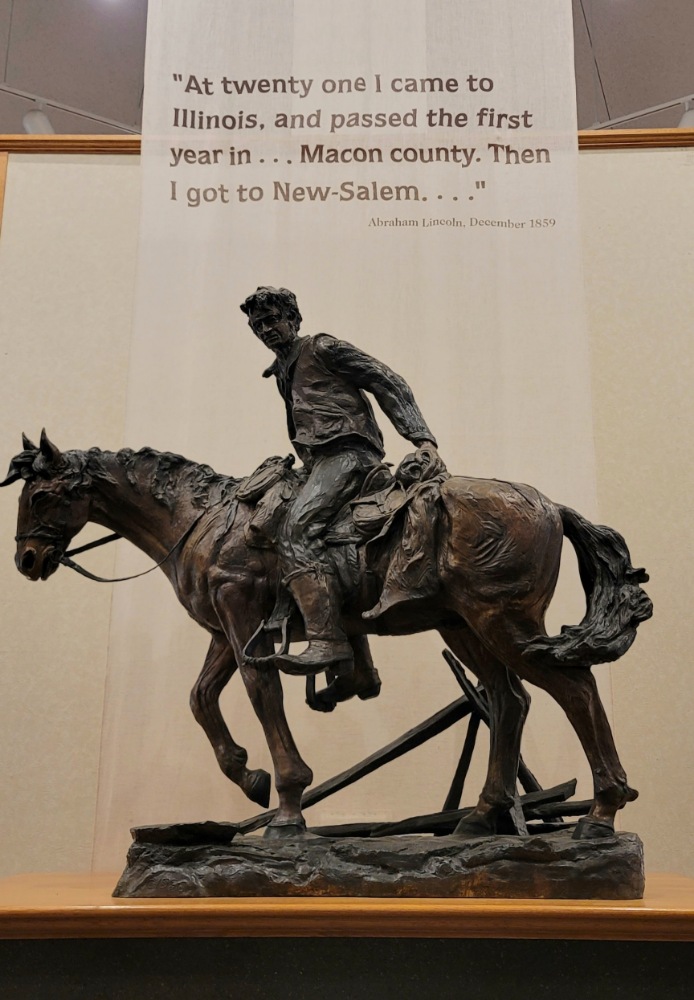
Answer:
(273, 316)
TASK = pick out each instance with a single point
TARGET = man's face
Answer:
(273, 327)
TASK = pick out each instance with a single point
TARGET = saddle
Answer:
(396, 513)
(269, 490)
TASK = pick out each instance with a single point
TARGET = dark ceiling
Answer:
(85, 59)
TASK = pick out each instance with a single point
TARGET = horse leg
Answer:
(575, 691)
(508, 708)
(220, 664)
(363, 681)
(292, 774)
(237, 608)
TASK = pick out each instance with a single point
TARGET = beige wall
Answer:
(66, 283)
(67, 272)
(638, 218)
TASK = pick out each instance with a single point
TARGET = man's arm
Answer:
(392, 392)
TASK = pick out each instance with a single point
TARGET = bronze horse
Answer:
(498, 561)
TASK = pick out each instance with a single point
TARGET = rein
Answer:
(65, 559)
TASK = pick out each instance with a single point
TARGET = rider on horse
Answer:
(334, 432)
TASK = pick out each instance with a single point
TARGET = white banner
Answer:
(408, 169)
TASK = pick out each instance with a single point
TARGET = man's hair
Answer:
(265, 296)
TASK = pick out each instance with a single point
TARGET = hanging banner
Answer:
(408, 169)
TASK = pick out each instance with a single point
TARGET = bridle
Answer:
(47, 533)
(65, 559)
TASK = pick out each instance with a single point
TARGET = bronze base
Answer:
(199, 860)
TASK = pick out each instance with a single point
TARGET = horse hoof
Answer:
(471, 829)
(258, 787)
(589, 828)
(372, 691)
(322, 701)
(289, 831)
(342, 689)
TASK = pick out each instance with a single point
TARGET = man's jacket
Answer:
(323, 381)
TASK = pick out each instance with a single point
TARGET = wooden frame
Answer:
(130, 144)
(81, 906)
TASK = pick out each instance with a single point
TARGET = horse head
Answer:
(53, 507)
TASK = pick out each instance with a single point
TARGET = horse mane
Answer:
(168, 474)
(162, 474)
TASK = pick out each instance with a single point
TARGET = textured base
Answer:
(207, 859)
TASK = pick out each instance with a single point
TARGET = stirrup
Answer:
(255, 640)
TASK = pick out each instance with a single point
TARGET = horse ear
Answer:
(12, 476)
(22, 465)
(48, 449)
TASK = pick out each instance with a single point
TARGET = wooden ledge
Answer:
(100, 144)
(81, 906)
(660, 138)
(636, 138)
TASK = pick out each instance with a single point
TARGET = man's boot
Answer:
(317, 594)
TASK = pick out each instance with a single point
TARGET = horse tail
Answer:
(616, 604)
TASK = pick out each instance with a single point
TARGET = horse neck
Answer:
(122, 501)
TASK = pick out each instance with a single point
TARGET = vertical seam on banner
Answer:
(104, 689)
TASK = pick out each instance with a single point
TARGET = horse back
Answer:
(502, 540)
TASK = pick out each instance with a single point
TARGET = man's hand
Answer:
(428, 452)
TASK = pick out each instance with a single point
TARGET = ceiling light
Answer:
(687, 119)
(37, 122)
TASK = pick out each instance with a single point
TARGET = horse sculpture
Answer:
(498, 559)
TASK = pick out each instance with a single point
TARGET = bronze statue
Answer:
(485, 585)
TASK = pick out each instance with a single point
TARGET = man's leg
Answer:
(334, 480)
